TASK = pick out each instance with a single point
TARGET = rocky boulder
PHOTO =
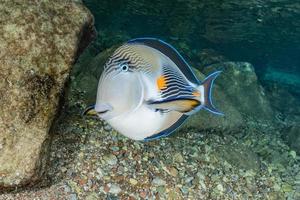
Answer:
(39, 42)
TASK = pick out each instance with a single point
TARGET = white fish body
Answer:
(144, 95)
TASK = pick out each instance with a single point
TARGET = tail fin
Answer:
(207, 85)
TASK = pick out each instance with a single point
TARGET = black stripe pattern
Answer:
(177, 86)
(126, 54)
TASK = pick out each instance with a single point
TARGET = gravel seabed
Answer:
(89, 160)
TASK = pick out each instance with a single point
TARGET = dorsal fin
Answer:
(171, 53)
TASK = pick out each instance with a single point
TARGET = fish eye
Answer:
(124, 67)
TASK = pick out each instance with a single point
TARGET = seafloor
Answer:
(89, 160)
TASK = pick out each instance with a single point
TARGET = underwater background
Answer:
(264, 33)
(251, 153)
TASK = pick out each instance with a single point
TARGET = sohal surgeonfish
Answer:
(147, 90)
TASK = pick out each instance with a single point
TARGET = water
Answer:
(265, 34)
(210, 33)
(253, 152)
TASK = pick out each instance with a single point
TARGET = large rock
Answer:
(238, 94)
(39, 42)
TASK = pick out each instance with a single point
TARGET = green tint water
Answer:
(266, 34)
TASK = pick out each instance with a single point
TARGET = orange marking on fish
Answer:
(161, 83)
(196, 94)
(193, 103)
(189, 104)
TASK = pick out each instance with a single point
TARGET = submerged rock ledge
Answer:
(39, 42)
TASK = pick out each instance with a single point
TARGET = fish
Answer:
(147, 90)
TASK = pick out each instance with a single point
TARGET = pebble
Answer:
(111, 159)
(293, 154)
(94, 176)
(189, 179)
(220, 187)
(161, 190)
(115, 189)
(173, 171)
(107, 127)
(297, 179)
(286, 187)
(178, 158)
(73, 196)
(143, 194)
(158, 182)
(100, 172)
(133, 181)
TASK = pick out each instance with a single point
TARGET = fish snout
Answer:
(103, 109)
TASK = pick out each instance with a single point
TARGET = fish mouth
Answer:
(103, 110)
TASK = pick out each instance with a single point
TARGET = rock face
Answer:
(39, 42)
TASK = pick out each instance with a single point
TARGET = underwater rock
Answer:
(292, 134)
(85, 75)
(239, 82)
(209, 57)
(39, 42)
(238, 95)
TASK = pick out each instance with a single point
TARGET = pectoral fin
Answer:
(180, 105)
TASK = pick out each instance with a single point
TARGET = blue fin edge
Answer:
(168, 131)
(210, 107)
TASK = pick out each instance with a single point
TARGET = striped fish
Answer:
(147, 90)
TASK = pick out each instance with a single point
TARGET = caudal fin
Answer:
(208, 84)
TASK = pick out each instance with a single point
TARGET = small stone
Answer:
(64, 169)
(189, 179)
(73, 196)
(220, 188)
(161, 190)
(184, 189)
(173, 171)
(158, 182)
(92, 196)
(100, 172)
(178, 158)
(276, 187)
(293, 154)
(133, 181)
(115, 148)
(143, 194)
(106, 189)
(286, 187)
(172, 194)
(107, 127)
(67, 189)
(297, 179)
(115, 189)
(111, 159)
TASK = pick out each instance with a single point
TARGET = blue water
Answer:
(266, 34)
